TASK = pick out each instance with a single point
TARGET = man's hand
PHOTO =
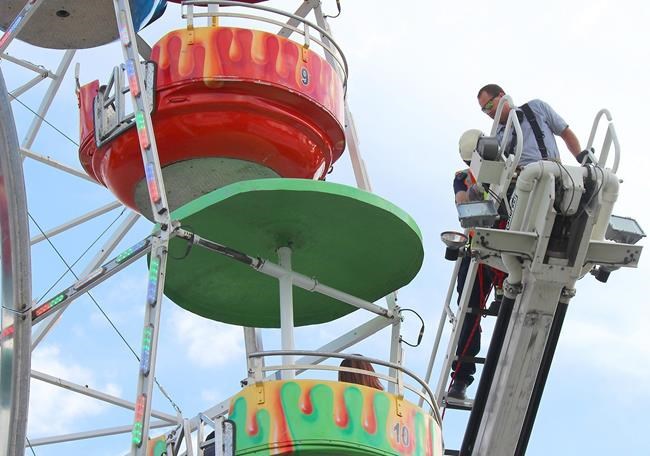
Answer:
(476, 192)
(585, 156)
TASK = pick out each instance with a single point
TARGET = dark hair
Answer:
(359, 379)
(491, 89)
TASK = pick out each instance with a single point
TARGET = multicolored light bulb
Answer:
(152, 290)
(140, 125)
(133, 78)
(154, 193)
(145, 359)
(128, 253)
(124, 32)
(136, 434)
(40, 310)
(7, 332)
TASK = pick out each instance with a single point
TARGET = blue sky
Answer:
(415, 68)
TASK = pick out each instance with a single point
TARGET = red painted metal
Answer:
(228, 92)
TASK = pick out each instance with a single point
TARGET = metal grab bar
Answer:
(430, 400)
(610, 137)
(336, 54)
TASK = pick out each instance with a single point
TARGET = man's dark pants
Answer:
(465, 372)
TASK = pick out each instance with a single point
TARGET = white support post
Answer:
(28, 85)
(86, 391)
(286, 309)
(455, 334)
(213, 21)
(92, 434)
(160, 211)
(395, 345)
(55, 164)
(75, 222)
(444, 315)
(48, 98)
(15, 288)
(146, 374)
(253, 343)
(302, 11)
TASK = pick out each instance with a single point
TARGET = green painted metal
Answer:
(347, 238)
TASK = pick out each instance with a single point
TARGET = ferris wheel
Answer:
(216, 142)
(200, 180)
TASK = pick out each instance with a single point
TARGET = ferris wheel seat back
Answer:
(229, 104)
(317, 417)
(76, 24)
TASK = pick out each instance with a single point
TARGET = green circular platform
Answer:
(347, 238)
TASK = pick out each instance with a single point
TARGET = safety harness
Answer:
(539, 135)
(537, 131)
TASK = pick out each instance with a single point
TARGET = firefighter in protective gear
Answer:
(466, 189)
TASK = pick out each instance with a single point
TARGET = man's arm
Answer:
(571, 141)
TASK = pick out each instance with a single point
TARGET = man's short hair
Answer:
(491, 89)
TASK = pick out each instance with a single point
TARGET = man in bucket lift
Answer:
(466, 189)
(539, 125)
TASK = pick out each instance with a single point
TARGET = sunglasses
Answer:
(489, 105)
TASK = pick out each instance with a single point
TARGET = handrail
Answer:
(610, 137)
(342, 61)
(431, 401)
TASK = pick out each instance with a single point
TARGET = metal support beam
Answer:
(455, 333)
(444, 315)
(160, 211)
(70, 386)
(28, 85)
(302, 11)
(75, 222)
(45, 73)
(274, 270)
(55, 164)
(93, 434)
(286, 309)
(253, 343)
(48, 98)
(15, 270)
(348, 339)
(395, 341)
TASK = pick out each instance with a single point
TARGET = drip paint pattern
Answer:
(215, 55)
(326, 418)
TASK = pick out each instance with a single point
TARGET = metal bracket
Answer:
(490, 241)
(260, 392)
(611, 253)
(109, 104)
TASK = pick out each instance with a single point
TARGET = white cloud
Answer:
(210, 395)
(616, 350)
(208, 343)
(54, 410)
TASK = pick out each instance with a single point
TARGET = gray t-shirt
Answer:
(549, 122)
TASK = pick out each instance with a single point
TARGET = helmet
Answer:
(467, 143)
